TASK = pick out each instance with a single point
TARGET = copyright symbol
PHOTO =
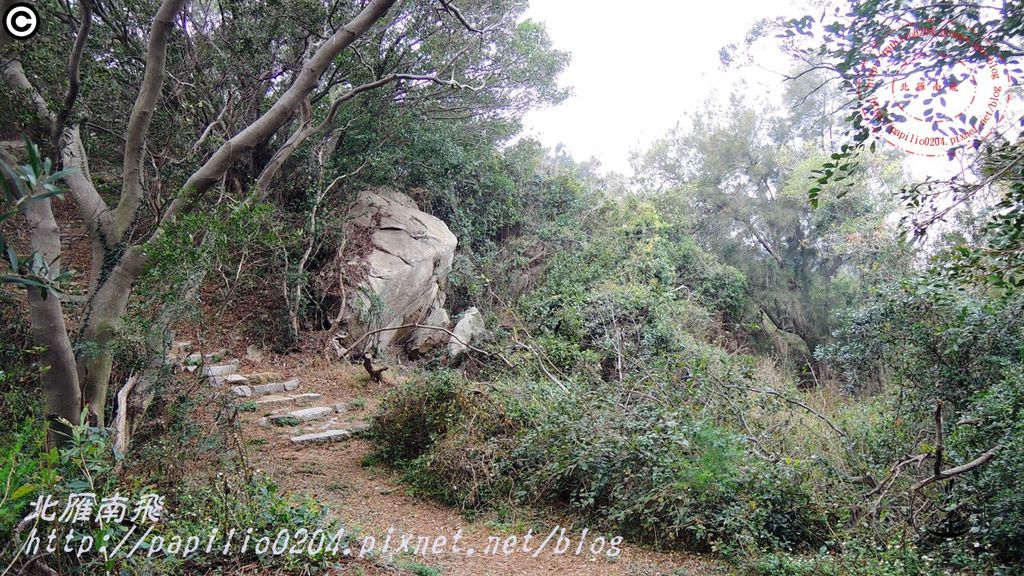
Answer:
(21, 21)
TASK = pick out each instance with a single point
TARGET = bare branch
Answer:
(793, 401)
(454, 11)
(359, 340)
(74, 80)
(958, 470)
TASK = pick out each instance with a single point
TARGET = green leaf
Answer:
(22, 491)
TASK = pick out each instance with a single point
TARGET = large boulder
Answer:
(407, 268)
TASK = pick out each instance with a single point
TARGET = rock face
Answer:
(470, 327)
(407, 271)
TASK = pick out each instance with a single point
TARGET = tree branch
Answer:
(263, 127)
(74, 80)
(142, 115)
(91, 206)
(454, 11)
(306, 129)
(956, 471)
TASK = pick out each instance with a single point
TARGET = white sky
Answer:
(637, 67)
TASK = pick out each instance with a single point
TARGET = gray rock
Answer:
(292, 384)
(424, 340)
(280, 399)
(328, 424)
(469, 328)
(242, 391)
(321, 437)
(253, 353)
(230, 380)
(359, 428)
(340, 407)
(273, 400)
(407, 269)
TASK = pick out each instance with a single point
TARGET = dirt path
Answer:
(373, 502)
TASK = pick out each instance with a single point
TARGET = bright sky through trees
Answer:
(637, 67)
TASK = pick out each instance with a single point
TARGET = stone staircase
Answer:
(302, 415)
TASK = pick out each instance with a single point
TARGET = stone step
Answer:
(299, 416)
(197, 358)
(179, 350)
(352, 430)
(321, 437)
(264, 377)
(272, 400)
(247, 391)
(220, 369)
(229, 380)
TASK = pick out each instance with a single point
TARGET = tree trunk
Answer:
(103, 320)
(60, 380)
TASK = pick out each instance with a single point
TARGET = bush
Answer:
(449, 437)
(652, 473)
(237, 499)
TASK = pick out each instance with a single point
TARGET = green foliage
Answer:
(35, 181)
(636, 287)
(650, 471)
(446, 438)
(941, 341)
(232, 499)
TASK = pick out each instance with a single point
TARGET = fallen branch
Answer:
(894, 473)
(540, 362)
(958, 470)
(359, 340)
(121, 419)
(793, 401)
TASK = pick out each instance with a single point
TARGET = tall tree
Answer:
(742, 173)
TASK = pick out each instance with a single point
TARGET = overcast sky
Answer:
(637, 67)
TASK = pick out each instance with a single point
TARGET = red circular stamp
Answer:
(931, 89)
